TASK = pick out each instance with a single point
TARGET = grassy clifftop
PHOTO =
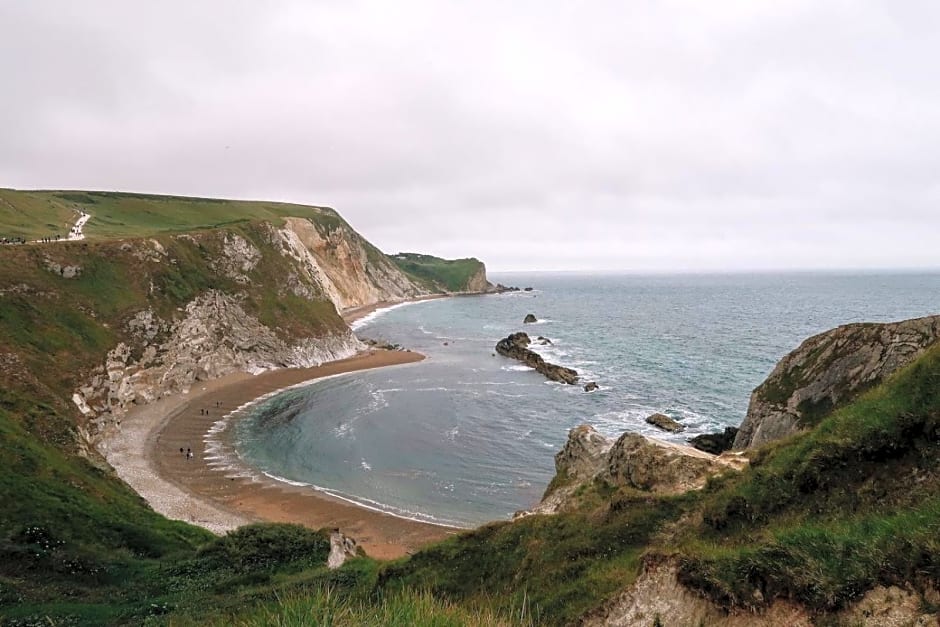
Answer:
(34, 214)
(436, 274)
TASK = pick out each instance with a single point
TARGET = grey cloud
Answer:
(650, 136)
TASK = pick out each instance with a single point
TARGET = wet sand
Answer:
(147, 455)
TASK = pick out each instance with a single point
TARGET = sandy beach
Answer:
(355, 313)
(146, 454)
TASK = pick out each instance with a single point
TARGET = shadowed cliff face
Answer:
(828, 370)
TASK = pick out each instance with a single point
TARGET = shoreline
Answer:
(354, 314)
(146, 455)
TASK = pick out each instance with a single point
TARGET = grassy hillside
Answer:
(70, 323)
(831, 513)
(74, 540)
(451, 275)
(34, 214)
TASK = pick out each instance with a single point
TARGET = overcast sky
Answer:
(534, 135)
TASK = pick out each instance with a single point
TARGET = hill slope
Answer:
(353, 271)
(447, 275)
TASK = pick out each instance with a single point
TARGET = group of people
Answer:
(205, 412)
(188, 453)
(12, 240)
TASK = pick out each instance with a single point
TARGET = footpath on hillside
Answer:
(76, 232)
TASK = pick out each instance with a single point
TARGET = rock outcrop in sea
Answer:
(664, 422)
(828, 370)
(516, 345)
(530, 319)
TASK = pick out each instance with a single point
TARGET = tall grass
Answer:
(828, 515)
(327, 608)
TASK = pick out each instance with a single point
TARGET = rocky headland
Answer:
(828, 370)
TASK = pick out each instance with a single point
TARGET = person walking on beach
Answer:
(181, 451)
(189, 454)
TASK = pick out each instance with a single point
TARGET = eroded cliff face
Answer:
(479, 283)
(828, 370)
(269, 300)
(350, 270)
(214, 337)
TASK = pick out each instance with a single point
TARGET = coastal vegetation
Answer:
(450, 275)
(818, 518)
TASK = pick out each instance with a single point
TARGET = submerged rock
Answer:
(528, 289)
(544, 341)
(665, 423)
(591, 386)
(715, 443)
(515, 346)
(529, 319)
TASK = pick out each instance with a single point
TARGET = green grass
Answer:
(829, 514)
(436, 274)
(560, 566)
(34, 214)
(73, 540)
(326, 606)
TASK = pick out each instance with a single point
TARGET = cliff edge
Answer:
(829, 370)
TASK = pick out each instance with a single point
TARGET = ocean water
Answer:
(467, 437)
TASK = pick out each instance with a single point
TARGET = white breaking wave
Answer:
(378, 313)
(372, 505)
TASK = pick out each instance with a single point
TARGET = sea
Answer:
(468, 436)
